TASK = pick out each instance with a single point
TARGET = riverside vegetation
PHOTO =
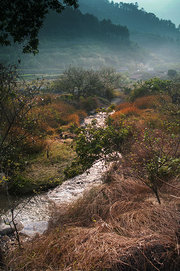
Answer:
(38, 120)
(131, 221)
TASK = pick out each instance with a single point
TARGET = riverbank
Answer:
(34, 213)
(130, 219)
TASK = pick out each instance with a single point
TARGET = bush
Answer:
(73, 119)
(88, 104)
(93, 143)
(172, 73)
(73, 170)
(151, 87)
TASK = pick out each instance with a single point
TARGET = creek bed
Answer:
(33, 214)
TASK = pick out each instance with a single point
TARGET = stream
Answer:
(32, 215)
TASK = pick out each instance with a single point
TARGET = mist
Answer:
(102, 34)
(164, 9)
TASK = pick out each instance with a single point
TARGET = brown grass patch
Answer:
(147, 102)
(132, 110)
(122, 106)
(113, 227)
(128, 111)
(73, 119)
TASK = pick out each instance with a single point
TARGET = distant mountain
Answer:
(73, 24)
(77, 39)
(72, 38)
(131, 16)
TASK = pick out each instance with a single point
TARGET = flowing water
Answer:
(33, 214)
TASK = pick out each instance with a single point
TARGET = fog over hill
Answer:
(164, 9)
(72, 38)
(129, 14)
(159, 37)
(99, 34)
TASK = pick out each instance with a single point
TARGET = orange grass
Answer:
(152, 101)
(132, 110)
(73, 118)
(147, 102)
(53, 115)
(128, 111)
(122, 106)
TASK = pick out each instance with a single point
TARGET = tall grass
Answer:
(113, 227)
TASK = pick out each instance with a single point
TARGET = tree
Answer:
(16, 101)
(153, 158)
(21, 20)
(84, 83)
(172, 73)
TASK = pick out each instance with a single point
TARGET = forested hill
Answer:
(73, 24)
(131, 15)
(73, 38)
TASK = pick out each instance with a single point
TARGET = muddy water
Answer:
(33, 214)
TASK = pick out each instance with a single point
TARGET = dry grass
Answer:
(147, 102)
(128, 111)
(73, 119)
(122, 106)
(55, 114)
(118, 226)
(46, 169)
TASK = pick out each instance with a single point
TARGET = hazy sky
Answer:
(166, 9)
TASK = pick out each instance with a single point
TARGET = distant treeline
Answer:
(130, 15)
(73, 24)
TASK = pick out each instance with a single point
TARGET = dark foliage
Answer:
(83, 26)
(21, 20)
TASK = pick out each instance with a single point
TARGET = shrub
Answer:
(150, 87)
(172, 73)
(131, 111)
(89, 103)
(73, 170)
(93, 143)
(82, 114)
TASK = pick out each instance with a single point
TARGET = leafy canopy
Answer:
(21, 20)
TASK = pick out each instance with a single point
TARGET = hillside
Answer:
(72, 38)
(160, 39)
(131, 15)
